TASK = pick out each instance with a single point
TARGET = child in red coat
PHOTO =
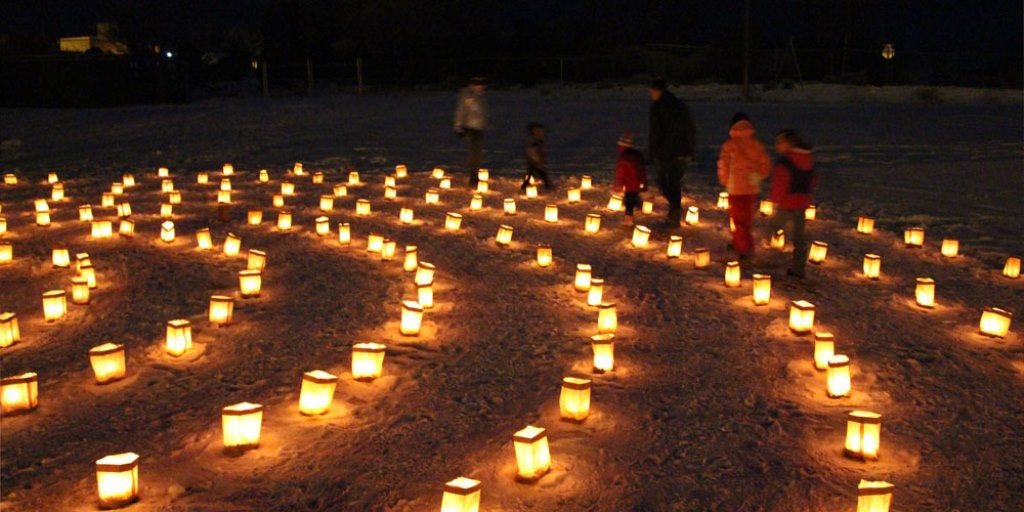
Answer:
(794, 179)
(630, 174)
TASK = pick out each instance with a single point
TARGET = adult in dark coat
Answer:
(672, 145)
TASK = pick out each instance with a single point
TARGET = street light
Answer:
(888, 51)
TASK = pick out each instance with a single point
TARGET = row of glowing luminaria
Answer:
(241, 422)
(914, 236)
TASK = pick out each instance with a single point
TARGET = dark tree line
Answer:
(404, 42)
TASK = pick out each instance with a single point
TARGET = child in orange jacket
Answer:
(742, 164)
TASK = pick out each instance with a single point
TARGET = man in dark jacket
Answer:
(672, 145)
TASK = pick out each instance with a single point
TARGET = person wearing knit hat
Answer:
(630, 175)
(742, 163)
(626, 139)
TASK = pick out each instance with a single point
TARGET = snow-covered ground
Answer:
(714, 404)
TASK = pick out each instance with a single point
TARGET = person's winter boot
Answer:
(627, 220)
(674, 215)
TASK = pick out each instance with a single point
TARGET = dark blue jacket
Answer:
(673, 133)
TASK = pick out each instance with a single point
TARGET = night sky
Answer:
(923, 25)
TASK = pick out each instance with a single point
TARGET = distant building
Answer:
(105, 41)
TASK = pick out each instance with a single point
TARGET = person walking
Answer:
(536, 158)
(630, 175)
(794, 179)
(672, 144)
(742, 164)
(470, 123)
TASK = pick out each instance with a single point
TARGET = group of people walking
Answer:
(743, 163)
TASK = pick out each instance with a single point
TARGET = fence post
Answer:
(309, 76)
(161, 85)
(746, 51)
(266, 82)
(846, 41)
(796, 62)
(359, 74)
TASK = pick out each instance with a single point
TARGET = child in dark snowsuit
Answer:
(630, 174)
(536, 163)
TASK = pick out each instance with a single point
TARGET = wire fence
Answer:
(106, 80)
(678, 64)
